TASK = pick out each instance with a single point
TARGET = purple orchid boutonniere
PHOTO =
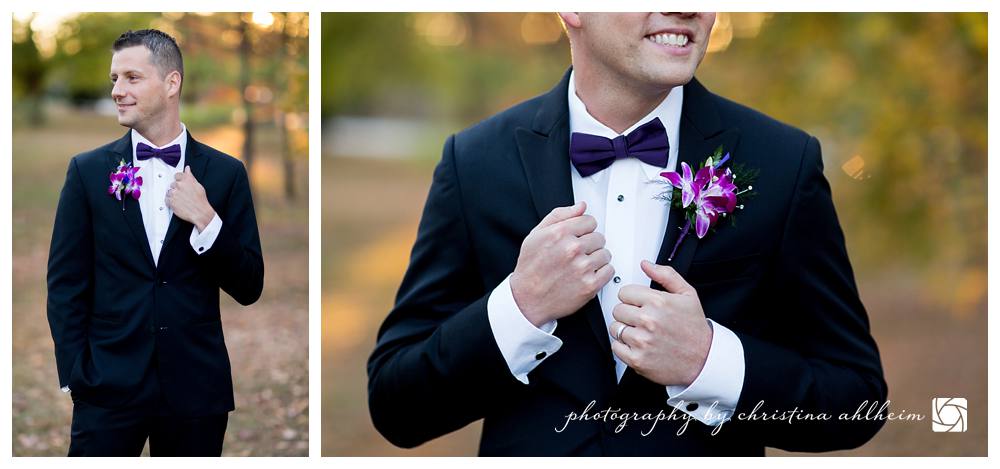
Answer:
(124, 182)
(708, 194)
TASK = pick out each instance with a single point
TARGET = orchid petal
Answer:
(704, 176)
(673, 177)
(702, 223)
(687, 171)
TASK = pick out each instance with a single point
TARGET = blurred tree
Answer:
(903, 92)
(248, 111)
(898, 97)
(438, 64)
(83, 53)
(29, 72)
(246, 70)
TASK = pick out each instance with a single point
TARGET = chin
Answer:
(671, 78)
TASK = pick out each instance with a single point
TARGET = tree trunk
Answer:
(282, 80)
(248, 124)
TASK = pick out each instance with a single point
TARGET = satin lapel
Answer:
(132, 215)
(701, 133)
(196, 159)
(544, 151)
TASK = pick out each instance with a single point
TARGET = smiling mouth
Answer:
(669, 39)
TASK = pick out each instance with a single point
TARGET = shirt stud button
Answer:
(617, 279)
(621, 198)
(540, 355)
(202, 248)
(692, 407)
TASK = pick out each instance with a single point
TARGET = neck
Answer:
(612, 101)
(161, 133)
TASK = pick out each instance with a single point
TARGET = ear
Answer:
(572, 20)
(173, 81)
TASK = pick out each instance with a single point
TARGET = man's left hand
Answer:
(187, 199)
(663, 335)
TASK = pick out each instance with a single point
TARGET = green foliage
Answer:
(906, 93)
(82, 58)
(380, 64)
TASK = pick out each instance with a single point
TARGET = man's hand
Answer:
(187, 199)
(665, 338)
(562, 265)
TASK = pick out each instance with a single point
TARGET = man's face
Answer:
(140, 92)
(650, 50)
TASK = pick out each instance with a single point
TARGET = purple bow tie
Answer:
(170, 155)
(592, 153)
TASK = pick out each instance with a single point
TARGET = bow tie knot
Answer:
(593, 153)
(170, 155)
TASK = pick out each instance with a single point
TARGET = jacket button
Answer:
(540, 355)
(692, 407)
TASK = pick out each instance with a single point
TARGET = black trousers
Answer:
(97, 431)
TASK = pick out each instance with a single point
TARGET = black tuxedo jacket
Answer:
(780, 279)
(126, 329)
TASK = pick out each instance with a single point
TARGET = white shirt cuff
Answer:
(202, 241)
(522, 345)
(712, 397)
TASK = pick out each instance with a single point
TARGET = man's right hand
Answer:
(562, 265)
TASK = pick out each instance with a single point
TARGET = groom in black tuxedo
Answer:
(531, 301)
(135, 269)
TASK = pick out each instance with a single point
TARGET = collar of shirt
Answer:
(669, 112)
(181, 140)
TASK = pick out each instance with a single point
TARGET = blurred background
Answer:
(246, 94)
(898, 102)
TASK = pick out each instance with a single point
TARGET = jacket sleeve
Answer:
(70, 274)
(235, 258)
(821, 358)
(436, 366)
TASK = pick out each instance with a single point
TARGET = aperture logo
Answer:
(949, 414)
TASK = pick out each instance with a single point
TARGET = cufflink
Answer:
(540, 355)
(692, 407)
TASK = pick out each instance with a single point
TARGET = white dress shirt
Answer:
(156, 179)
(622, 198)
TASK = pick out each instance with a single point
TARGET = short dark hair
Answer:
(163, 49)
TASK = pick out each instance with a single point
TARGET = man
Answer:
(531, 300)
(134, 276)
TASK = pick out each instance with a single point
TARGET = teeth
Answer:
(676, 40)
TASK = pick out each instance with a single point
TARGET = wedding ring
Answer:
(618, 336)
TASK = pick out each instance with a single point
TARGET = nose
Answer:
(117, 91)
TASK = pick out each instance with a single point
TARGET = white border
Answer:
(315, 7)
